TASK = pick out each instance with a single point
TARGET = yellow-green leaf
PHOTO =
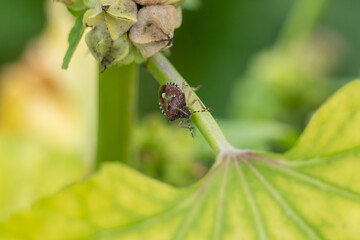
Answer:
(311, 192)
(74, 38)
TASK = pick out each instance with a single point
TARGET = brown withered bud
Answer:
(178, 21)
(154, 30)
(150, 2)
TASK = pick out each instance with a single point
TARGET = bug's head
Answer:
(185, 113)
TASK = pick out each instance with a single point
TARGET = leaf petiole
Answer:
(164, 72)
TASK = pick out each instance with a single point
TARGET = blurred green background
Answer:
(217, 42)
(214, 45)
(20, 21)
(264, 67)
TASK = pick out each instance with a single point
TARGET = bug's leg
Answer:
(191, 90)
(188, 126)
(197, 88)
(183, 86)
(204, 109)
(188, 97)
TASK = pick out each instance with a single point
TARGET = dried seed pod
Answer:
(119, 16)
(150, 2)
(178, 21)
(154, 30)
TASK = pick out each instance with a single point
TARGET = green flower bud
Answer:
(75, 7)
(154, 30)
(121, 34)
(106, 50)
(90, 3)
(119, 15)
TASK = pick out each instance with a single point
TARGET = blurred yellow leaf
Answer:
(30, 169)
(46, 129)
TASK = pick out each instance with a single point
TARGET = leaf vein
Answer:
(288, 210)
(258, 220)
(219, 213)
(321, 184)
(184, 228)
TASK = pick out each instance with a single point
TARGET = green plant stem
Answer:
(117, 102)
(164, 72)
(302, 18)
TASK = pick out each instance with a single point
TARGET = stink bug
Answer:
(174, 104)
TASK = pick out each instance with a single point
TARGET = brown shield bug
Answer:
(174, 104)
